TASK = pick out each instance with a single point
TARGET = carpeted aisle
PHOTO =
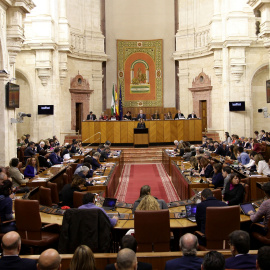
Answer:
(134, 176)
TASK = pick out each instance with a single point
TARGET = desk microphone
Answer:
(201, 181)
(114, 209)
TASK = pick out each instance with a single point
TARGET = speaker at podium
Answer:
(141, 138)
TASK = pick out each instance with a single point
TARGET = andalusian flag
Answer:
(113, 102)
(116, 102)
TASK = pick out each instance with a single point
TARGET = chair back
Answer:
(217, 194)
(28, 220)
(78, 198)
(220, 222)
(89, 227)
(152, 230)
(45, 197)
(65, 179)
(246, 198)
(70, 174)
(54, 192)
(73, 167)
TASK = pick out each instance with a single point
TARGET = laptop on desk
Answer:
(246, 207)
(109, 203)
(191, 212)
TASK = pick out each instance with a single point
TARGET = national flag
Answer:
(120, 105)
(113, 102)
(116, 101)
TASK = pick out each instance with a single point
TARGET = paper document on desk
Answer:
(39, 180)
(57, 165)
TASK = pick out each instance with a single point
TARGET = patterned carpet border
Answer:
(166, 181)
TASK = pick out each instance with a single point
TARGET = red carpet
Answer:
(135, 176)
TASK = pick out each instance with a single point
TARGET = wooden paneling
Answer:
(124, 132)
(152, 131)
(167, 131)
(103, 130)
(159, 131)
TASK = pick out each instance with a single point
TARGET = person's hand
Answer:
(250, 212)
(116, 218)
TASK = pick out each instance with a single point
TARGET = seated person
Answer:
(155, 116)
(243, 157)
(219, 150)
(91, 116)
(11, 245)
(148, 203)
(263, 211)
(179, 115)
(32, 167)
(66, 194)
(188, 245)
(40, 146)
(206, 169)
(213, 260)
(127, 116)
(146, 190)
(263, 258)
(226, 173)
(217, 179)
(95, 161)
(141, 115)
(67, 151)
(239, 246)
(75, 148)
(262, 165)
(168, 116)
(128, 241)
(6, 207)
(256, 146)
(89, 203)
(87, 163)
(114, 117)
(43, 159)
(101, 147)
(55, 156)
(27, 138)
(232, 152)
(83, 258)
(29, 151)
(189, 152)
(141, 124)
(234, 191)
(207, 200)
(192, 115)
(105, 154)
(15, 174)
(251, 165)
(103, 116)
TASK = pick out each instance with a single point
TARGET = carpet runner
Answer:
(134, 176)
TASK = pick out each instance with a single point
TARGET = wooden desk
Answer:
(160, 131)
(167, 158)
(185, 183)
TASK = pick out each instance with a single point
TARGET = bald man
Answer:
(11, 245)
(49, 259)
(188, 245)
(126, 260)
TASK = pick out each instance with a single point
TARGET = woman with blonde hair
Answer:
(83, 259)
(32, 167)
(148, 203)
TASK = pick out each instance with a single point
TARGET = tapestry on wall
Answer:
(140, 72)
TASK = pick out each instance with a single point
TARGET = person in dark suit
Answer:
(127, 116)
(128, 241)
(104, 154)
(213, 260)
(55, 156)
(11, 245)
(219, 150)
(155, 116)
(141, 115)
(74, 148)
(30, 151)
(179, 115)
(188, 244)
(234, 191)
(217, 179)
(263, 262)
(141, 124)
(192, 115)
(49, 259)
(67, 151)
(207, 200)
(240, 245)
(91, 116)
(95, 161)
(40, 146)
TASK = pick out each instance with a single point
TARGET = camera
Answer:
(21, 114)
(264, 111)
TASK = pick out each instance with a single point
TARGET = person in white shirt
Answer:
(262, 165)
